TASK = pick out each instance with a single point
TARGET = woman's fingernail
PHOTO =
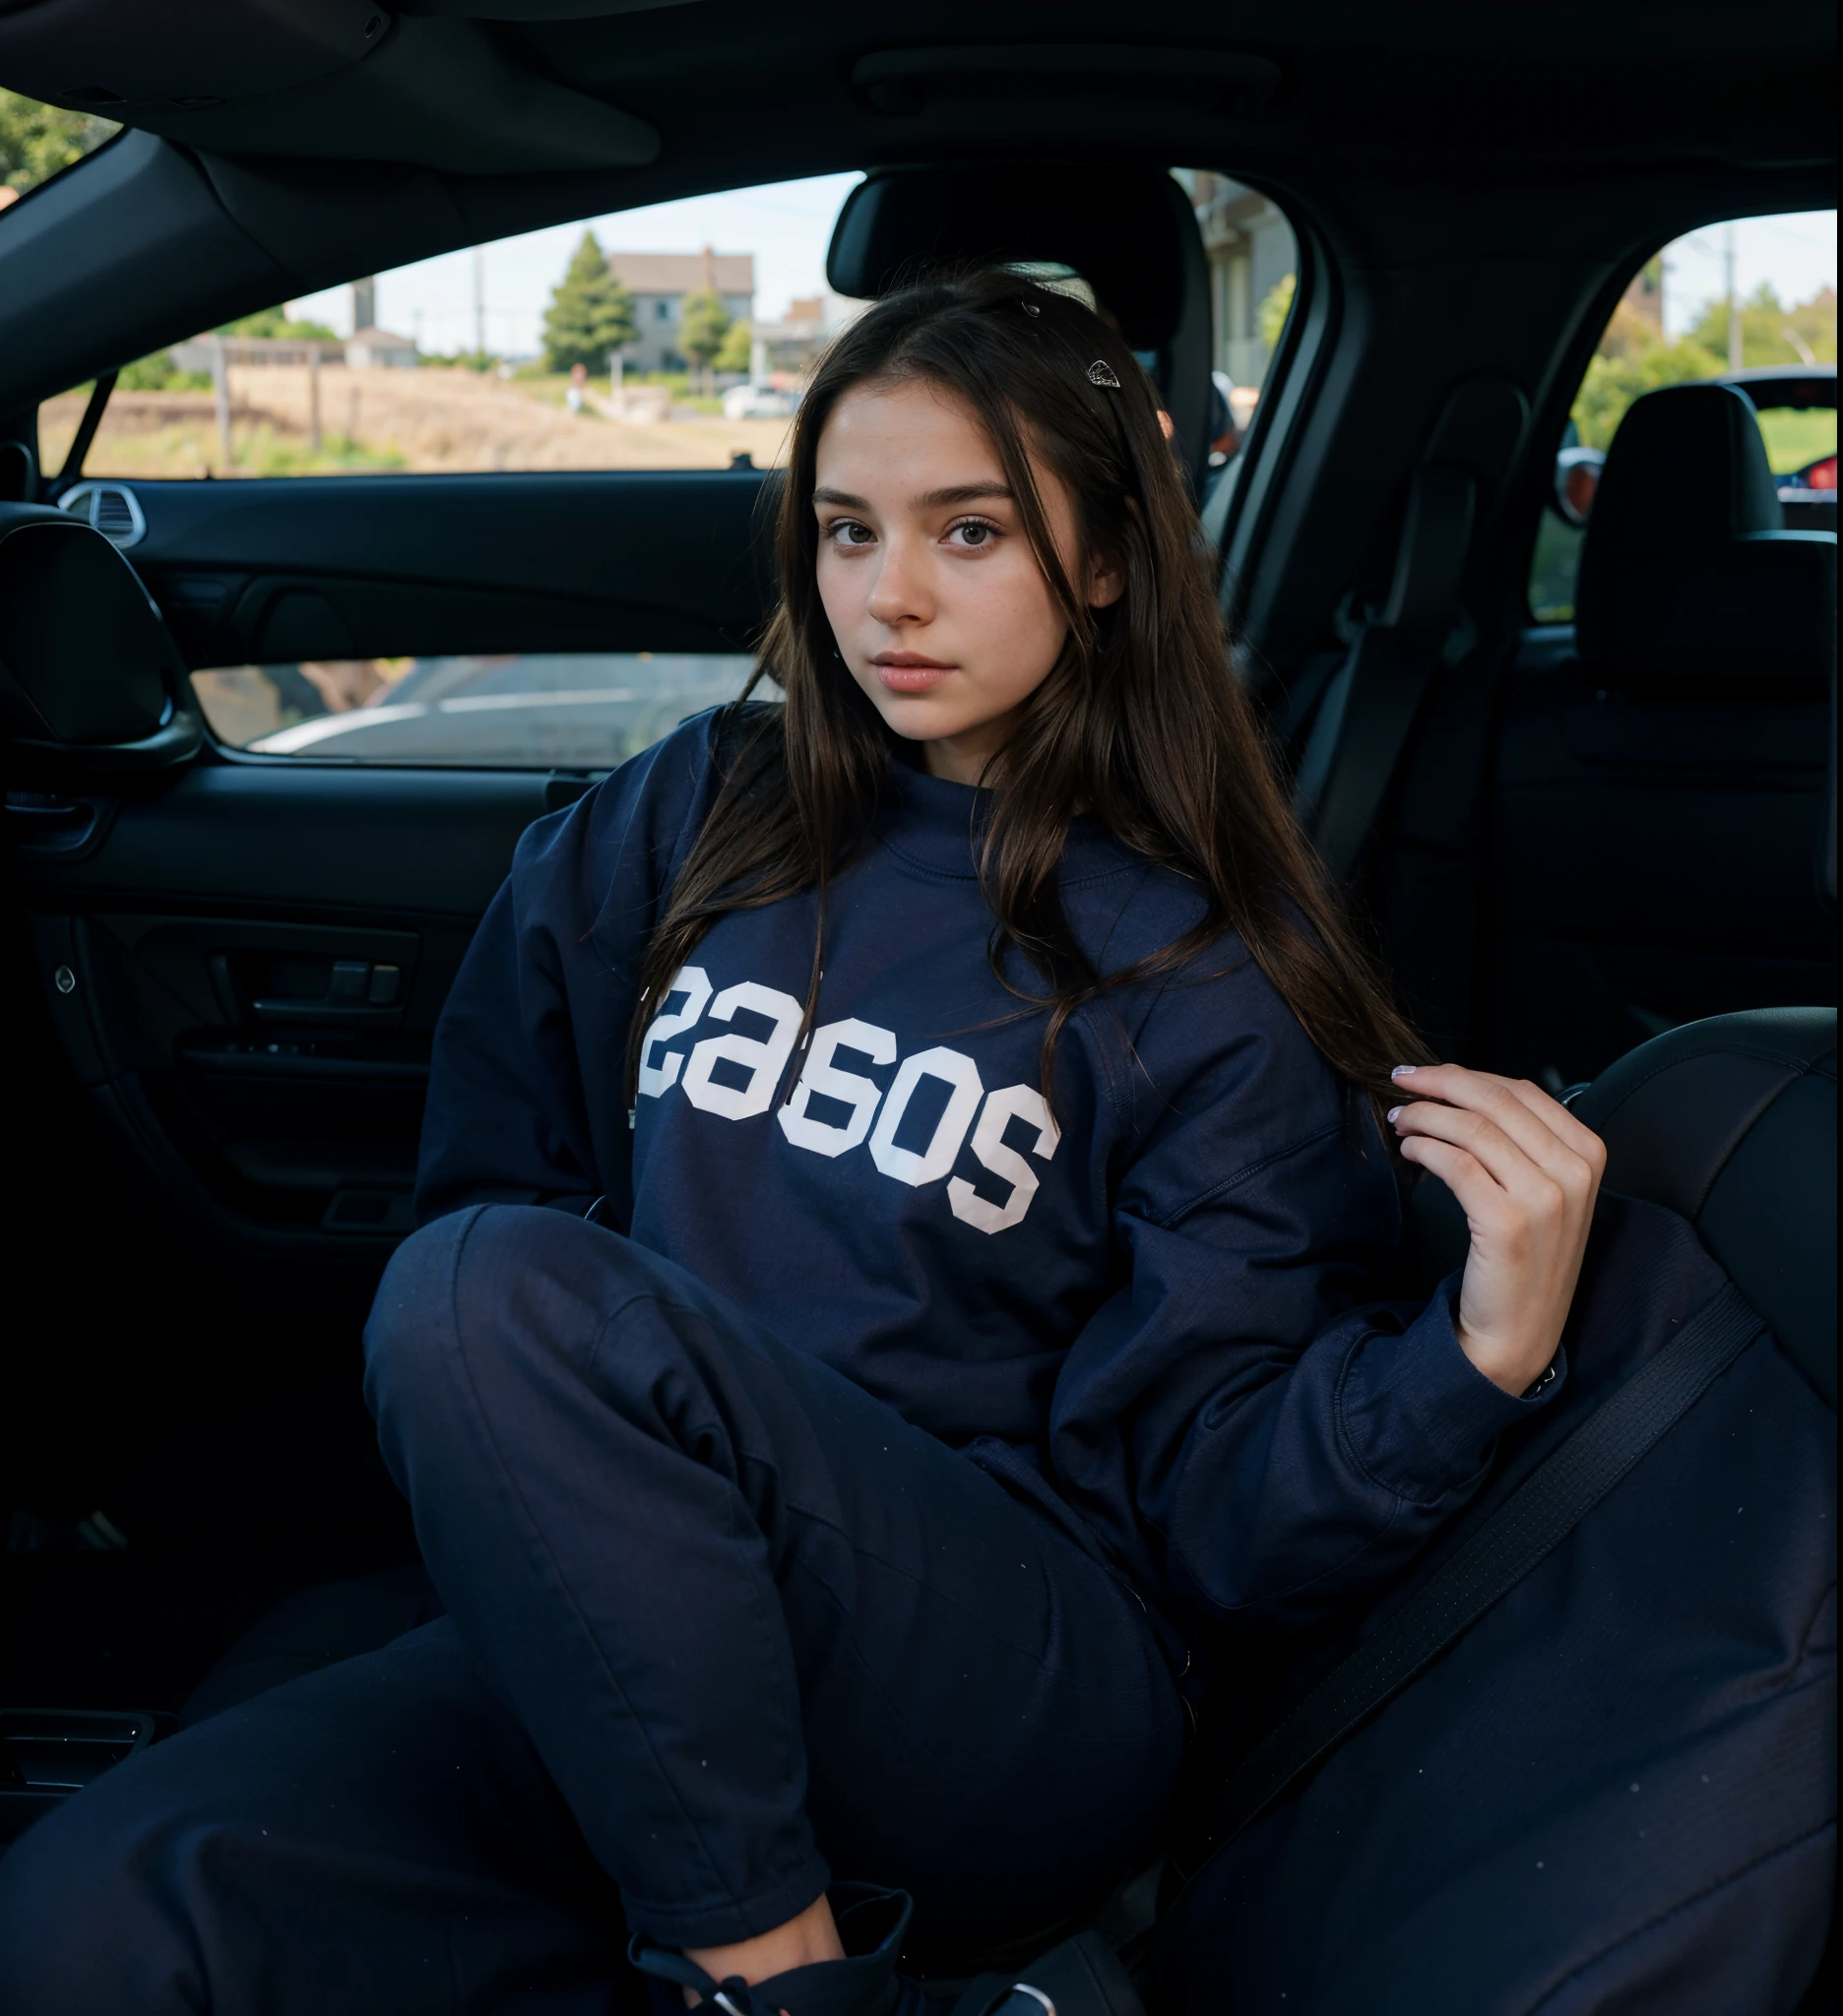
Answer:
(1403, 1071)
(1394, 1113)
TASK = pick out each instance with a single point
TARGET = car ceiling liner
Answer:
(318, 79)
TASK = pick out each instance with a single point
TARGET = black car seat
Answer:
(1640, 1813)
(1731, 1122)
(1660, 777)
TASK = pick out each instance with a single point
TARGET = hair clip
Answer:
(1101, 373)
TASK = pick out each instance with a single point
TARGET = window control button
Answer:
(385, 980)
(349, 979)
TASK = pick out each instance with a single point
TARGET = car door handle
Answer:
(357, 991)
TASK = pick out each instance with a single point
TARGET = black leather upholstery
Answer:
(87, 664)
(1687, 576)
(1733, 1122)
(1117, 227)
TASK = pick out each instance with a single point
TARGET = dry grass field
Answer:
(432, 421)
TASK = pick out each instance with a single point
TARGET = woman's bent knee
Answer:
(452, 1290)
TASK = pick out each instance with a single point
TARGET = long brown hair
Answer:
(1141, 723)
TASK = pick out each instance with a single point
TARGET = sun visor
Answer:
(90, 682)
(1123, 229)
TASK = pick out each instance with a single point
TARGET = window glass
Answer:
(1254, 264)
(540, 709)
(38, 141)
(1753, 302)
(674, 337)
(331, 383)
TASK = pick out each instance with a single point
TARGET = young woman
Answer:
(905, 1200)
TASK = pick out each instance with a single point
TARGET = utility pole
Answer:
(220, 399)
(1735, 352)
(479, 300)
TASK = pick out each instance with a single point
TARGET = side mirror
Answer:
(1576, 479)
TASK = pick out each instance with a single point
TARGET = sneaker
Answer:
(1082, 1977)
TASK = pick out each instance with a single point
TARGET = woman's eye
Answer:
(847, 531)
(974, 532)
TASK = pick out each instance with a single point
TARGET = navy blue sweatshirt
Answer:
(1153, 1312)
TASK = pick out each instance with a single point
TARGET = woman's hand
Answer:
(1525, 1172)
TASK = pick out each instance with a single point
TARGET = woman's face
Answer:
(934, 596)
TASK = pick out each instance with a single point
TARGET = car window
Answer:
(38, 141)
(1753, 302)
(559, 710)
(673, 337)
(1254, 266)
(535, 710)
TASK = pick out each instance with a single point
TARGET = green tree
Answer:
(703, 324)
(1764, 324)
(36, 141)
(158, 374)
(274, 322)
(591, 314)
(733, 355)
(1614, 381)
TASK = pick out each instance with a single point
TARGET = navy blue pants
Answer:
(721, 1624)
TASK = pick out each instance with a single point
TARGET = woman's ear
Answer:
(1107, 580)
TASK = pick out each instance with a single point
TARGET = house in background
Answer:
(659, 283)
(782, 353)
(369, 347)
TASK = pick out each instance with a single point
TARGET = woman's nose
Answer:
(901, 592)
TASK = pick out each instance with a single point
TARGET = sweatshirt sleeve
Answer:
(1279, 1441)
(527, 1100)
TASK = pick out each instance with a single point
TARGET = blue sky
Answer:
(786, 225)
(1798, 254)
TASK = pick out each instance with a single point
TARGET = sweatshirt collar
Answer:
(937, 826)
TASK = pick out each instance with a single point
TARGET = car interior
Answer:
(1598, 852)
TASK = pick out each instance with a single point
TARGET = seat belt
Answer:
(1368, 711)
(1536, 1518)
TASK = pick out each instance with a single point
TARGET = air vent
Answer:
(112, 508)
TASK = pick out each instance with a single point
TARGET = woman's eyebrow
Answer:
(930, 500)
(962, 493)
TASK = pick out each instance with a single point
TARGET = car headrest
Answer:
(1732, 1121)
(89, 676)
(1130, 233)
(1121, 228)
(1688, 578)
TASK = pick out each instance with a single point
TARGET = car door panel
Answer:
(382, 565)
(248, 969)
(246, 963)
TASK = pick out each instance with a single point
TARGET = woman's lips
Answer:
(907, 671)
